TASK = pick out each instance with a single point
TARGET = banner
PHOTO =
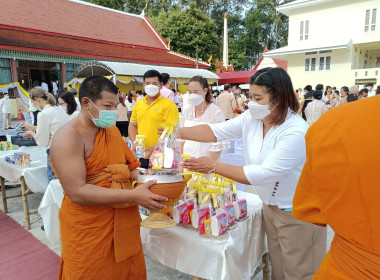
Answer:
(23, 94)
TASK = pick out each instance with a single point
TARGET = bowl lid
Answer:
(161, 179)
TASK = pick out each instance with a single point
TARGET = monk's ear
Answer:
(85, 102)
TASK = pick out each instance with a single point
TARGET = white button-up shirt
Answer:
(274, 163)
(49, 120)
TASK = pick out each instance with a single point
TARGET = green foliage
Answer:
(188, 31)
(198, 24)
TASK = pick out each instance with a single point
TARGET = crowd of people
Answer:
(86, 139)
(314, 103)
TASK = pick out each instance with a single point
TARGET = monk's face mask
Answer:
(107, 118)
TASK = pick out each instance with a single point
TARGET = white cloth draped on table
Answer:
(35, 176)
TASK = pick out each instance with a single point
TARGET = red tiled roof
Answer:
(239, 77)
(80, 19)
(37, 42)
(279, 62)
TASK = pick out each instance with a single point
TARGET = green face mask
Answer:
(107, 118)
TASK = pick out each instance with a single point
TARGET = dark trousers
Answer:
(35, 113)
(144, 163)
(123, 128)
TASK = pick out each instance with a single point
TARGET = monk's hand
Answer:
(147, 199)
(203, 165)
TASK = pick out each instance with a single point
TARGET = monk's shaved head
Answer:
(93, 86)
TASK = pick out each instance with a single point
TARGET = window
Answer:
(328, 63)
(307, 64)
(324, 63)
(5, 71)
(304, 30)
(370, 20)
(321, 63)
(313, 62)
(70, 68)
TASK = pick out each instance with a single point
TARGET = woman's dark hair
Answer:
(68, 97)
(121, 100)
(317, 95)
(345, 89)
(130, 97)
(280, 88)
(204, 83)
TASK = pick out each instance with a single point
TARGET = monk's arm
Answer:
(67, 155)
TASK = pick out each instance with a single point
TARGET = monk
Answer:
(339, 186)
(99, 217)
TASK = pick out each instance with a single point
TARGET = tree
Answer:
(188, 31)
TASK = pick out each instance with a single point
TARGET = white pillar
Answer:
(225, 42)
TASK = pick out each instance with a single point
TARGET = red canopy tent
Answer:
(239, 77)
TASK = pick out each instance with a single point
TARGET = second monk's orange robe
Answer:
(340, 186)
(103, 242)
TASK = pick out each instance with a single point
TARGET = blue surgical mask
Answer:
(107, 118)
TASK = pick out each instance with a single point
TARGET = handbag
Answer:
(20, 141)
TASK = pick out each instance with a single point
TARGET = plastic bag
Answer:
(165, 155)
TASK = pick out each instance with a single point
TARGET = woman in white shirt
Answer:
(122, 121)
(50, 119)
(274, 141)
(202, 111)
(130, 103)
(316, 108)
(67, 102)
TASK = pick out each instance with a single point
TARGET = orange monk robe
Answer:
(339, 186)
(103, 242)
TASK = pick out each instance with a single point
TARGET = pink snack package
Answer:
(231, 216)
(186, 215)
(178, 212)
(201, 222)
(219, 224)
(240, 208)
(197, 214)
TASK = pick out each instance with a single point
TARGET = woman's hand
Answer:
(203, 165)
(27, 126)
(29, 134)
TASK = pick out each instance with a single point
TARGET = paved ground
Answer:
(155, 271)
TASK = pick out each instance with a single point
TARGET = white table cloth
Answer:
(49, 209)
(235, 256)
(35, 176)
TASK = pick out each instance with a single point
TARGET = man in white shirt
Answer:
(316, 108)
(55, 87)
(5, 105)
(45, 86)
(371, 91)
(226, 102)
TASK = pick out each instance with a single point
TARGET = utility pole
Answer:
(196, 58)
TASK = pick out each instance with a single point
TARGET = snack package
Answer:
(231, 216)
(219, 224)
(196, 214)
(201, 222)
(178, 212)
(207, 225)
(166, 154)
(140, 146)
(186, 219)
(240, 208)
